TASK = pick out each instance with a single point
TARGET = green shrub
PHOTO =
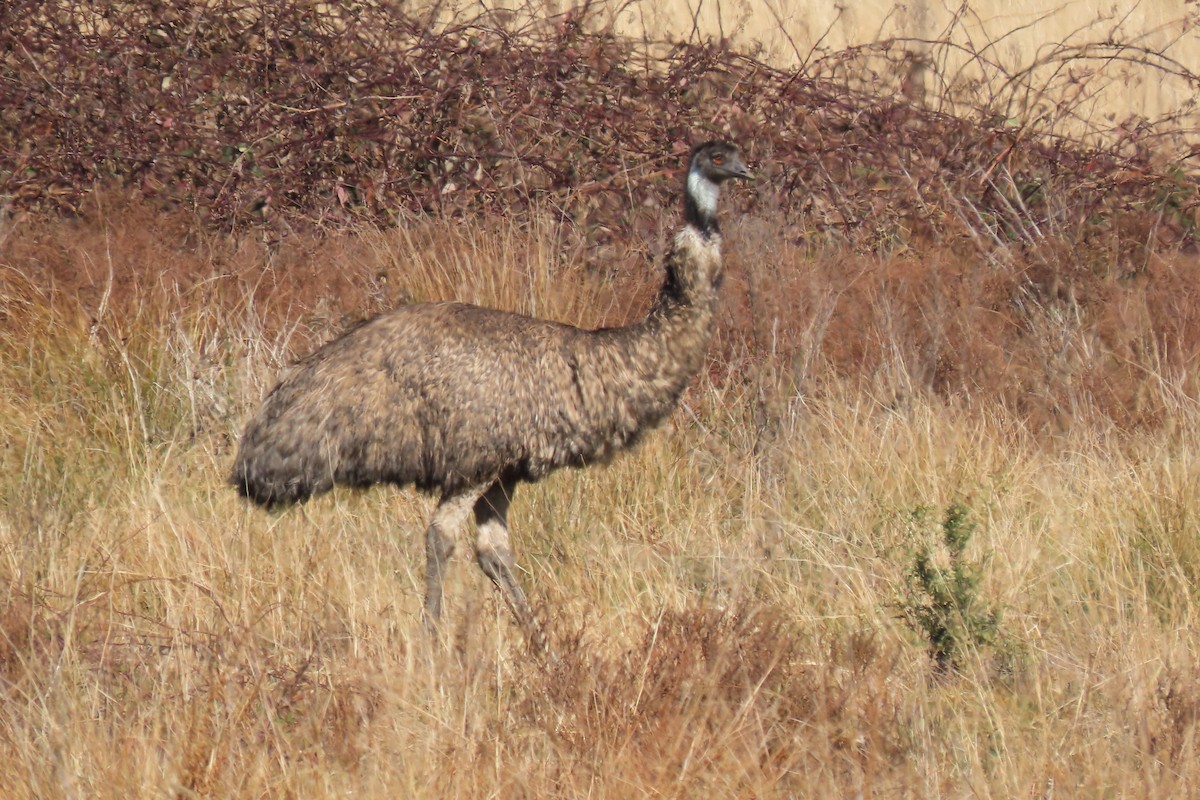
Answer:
(941, 600)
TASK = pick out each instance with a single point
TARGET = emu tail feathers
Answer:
(258, 477)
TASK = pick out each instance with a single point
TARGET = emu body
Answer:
(469, 401)
(448, 396)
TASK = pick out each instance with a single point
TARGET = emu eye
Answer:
(718, 159)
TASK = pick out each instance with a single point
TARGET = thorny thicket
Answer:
(276, 113)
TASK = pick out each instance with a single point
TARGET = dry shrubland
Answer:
(925, 526)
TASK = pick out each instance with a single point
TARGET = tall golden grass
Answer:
(724, 603)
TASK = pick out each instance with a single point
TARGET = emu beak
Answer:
(740, 170)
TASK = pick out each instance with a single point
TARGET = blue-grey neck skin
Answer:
(700, 203)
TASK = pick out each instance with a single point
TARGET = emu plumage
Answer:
(469, 401)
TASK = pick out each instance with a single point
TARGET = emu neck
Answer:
(700, 203)
(681, 319)
(693, 268)
(658, 356)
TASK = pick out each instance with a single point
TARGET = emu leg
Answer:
(448, 518)
(494, 554)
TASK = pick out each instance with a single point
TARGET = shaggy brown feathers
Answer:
(447, 396)
(458, 398)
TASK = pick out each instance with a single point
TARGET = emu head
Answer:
(712, 164)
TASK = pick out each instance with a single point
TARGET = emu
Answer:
(468, 401)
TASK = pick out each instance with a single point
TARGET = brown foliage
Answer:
(1051, 337)
(289, 112)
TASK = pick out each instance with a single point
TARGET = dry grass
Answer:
(721, 602)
